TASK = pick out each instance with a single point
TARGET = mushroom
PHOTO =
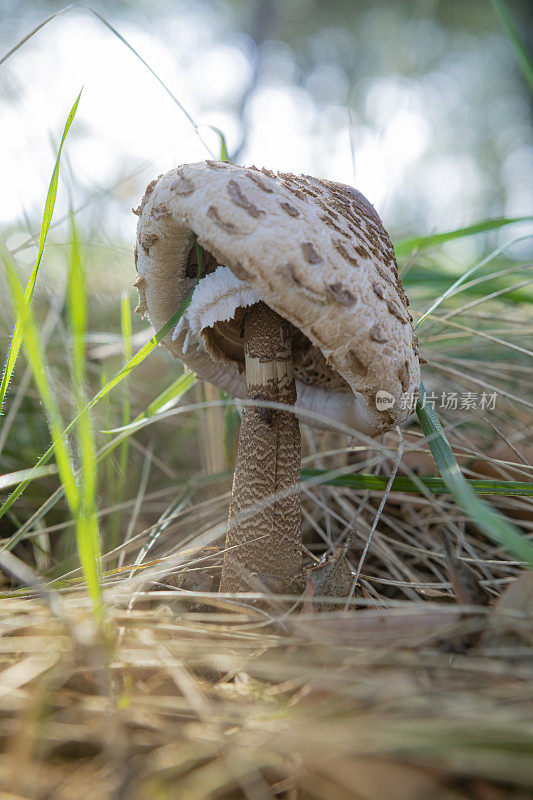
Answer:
(299, 303)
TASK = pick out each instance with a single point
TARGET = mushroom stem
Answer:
(264, 543)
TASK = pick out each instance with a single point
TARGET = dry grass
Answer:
(417, 701)
(195, 696)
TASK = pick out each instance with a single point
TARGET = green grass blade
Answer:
(232, 422)
(87, 531)
(118, 483)
(126, 327)
(169, 397)
(451, 290)
(35, 357)
(145, 351)
(406, 246)
(511, 31)
(490, 521)
(134, 362)
(14, 478)
(16, 339)
(163, 402)
(223, 149)
(77, 311)
(404, 484)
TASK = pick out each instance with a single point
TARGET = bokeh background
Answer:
(420, 104)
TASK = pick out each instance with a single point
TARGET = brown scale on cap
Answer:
(291, 211)
(258, 181)
(316, 255)
(239, 198)
(326, 219)
(342, 295)
(310, 253)
(181, 185)
(341, 248)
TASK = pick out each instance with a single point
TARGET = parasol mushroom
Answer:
(299, 302)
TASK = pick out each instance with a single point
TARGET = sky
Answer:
(128, 129)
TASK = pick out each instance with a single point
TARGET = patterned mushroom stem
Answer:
(264, 540)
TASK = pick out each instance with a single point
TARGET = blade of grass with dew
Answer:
(49, 205)
(490, 521)
(508, 24)
(405, 484)
(14, 478)
(134, 362)
(87, 530)
(405, 246)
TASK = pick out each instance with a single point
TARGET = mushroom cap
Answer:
(316, 252)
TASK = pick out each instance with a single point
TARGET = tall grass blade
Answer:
(87, 531)
(30, 286)
(9, 479)
(490, 521)
(511, 31)
(169, 397)
(451, 290)
(406, 246)
(134, 362)
(402, 483)
(80, 498)
(223, 148)
(126, 328)
(31, 341)
(120, 480)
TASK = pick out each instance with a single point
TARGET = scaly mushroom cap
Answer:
(315, 251)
